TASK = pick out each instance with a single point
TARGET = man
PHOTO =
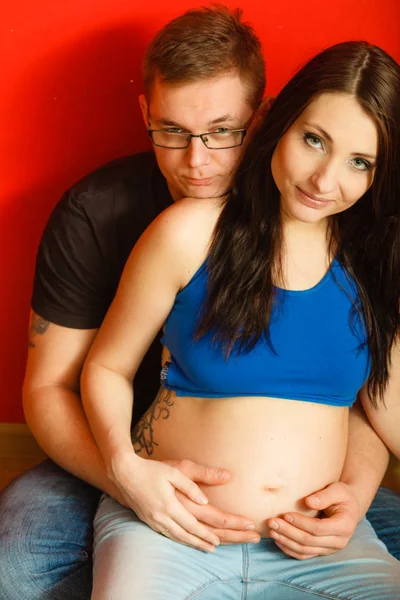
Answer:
(203, 72)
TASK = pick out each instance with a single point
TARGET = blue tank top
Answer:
(320, 353)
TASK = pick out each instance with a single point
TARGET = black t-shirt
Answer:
(86, 243)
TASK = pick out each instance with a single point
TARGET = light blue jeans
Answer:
(133, 562)
(46, 534)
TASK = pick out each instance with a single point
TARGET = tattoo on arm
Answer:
(143, 432)
(38, 326)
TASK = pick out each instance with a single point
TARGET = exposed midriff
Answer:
(278, 451)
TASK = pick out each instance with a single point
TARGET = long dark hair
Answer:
(246, 247)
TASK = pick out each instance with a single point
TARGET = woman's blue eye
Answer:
(312, 140)
(361, 164)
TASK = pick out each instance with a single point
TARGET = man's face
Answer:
(205, 106)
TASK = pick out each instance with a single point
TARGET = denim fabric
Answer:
(46, 534)
(384, 516)
(132, 561)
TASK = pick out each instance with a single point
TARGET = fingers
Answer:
(302, 537)
(299, 555)
(300, 543)
(300, 540)
(216, 518)
(335, 493)
(220, 520)
(201, 473)
(178, 534)
(178, 524)
(301, 550)
(224, 536)
(187, 487)
(230, 529)
(191, 525)
(339, 525)
(232, 536)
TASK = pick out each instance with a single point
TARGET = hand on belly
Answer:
(278, 451)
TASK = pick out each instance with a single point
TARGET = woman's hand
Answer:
(305, 537)
(229, 528)
(148, 488)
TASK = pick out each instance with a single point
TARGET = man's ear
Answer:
(260, 113)
(265, 106)
(144, 107)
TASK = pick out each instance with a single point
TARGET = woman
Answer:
(279, 307)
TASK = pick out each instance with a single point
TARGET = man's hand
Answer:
(305, 537)
(230, 529)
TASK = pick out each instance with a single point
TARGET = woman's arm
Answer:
(143, 300)
(161, 263)
(386, 417)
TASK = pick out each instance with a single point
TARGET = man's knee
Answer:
(384, 516)
(45, 529)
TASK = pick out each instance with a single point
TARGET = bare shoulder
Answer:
(189, 215)
(188, 225)
(176, 243)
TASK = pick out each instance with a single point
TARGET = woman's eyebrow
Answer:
(330, 139)
(322, 131)
(370, 156)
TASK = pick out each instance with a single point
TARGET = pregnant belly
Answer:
(278, 451)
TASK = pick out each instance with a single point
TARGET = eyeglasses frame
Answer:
(189, 137)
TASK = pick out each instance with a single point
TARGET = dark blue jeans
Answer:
(46, 534)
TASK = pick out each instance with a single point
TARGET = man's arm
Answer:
(344, 503)
(385, 418)
(53, 409)
(366, 460)
(54, 413)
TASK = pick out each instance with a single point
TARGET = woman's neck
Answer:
(307, 253)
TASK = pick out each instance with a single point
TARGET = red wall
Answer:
(70, 76)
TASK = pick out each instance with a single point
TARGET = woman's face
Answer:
(326, 161)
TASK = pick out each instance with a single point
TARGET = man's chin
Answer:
(188, 190)
(204, 191)
(203, 194)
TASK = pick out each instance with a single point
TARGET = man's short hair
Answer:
(203, 44)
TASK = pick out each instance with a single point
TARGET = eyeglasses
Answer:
(214, 140)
